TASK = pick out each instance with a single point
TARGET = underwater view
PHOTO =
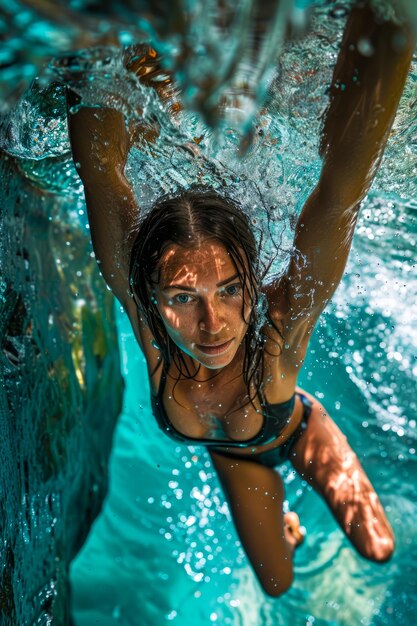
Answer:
(105, 520)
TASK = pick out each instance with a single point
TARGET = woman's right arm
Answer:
(100, 145)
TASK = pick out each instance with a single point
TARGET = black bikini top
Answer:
(276, 418)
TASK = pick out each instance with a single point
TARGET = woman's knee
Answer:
(378, 550)
(276, 586)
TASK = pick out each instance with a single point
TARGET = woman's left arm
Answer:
(367, 84)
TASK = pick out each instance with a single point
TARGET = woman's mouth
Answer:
(215, 349)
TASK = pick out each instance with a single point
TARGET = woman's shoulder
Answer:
(276, 293)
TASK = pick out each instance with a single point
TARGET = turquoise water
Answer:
(164, 548)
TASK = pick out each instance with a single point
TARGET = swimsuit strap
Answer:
(262, 395)
(163, 381)
(276, 405)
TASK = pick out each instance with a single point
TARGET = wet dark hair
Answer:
(186, 219)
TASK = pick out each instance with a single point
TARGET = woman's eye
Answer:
(183, 298)
(233, 290)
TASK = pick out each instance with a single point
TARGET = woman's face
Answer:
(199, 297)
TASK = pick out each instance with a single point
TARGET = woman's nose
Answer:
(211, 319)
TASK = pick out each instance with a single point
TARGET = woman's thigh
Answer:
(324, 458)
(255, 494)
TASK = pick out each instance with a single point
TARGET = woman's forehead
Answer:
(207, 259)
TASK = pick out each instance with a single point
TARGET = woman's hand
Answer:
(367, 84)
(99, 140)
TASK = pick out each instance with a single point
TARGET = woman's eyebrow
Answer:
(228, 280)
(186, 288)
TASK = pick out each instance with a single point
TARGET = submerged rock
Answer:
(60, 392)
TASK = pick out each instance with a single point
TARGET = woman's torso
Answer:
(217, 408)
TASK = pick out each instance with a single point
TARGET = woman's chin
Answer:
(215, 361)
(211, 361)
(214, 365)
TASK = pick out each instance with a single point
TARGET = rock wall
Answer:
(60, 395)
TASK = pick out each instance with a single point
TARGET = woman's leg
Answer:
(255, 494)
(323, 457)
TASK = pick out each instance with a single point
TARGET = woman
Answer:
(224, 350)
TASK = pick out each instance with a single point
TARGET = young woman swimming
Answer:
(223, 349)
